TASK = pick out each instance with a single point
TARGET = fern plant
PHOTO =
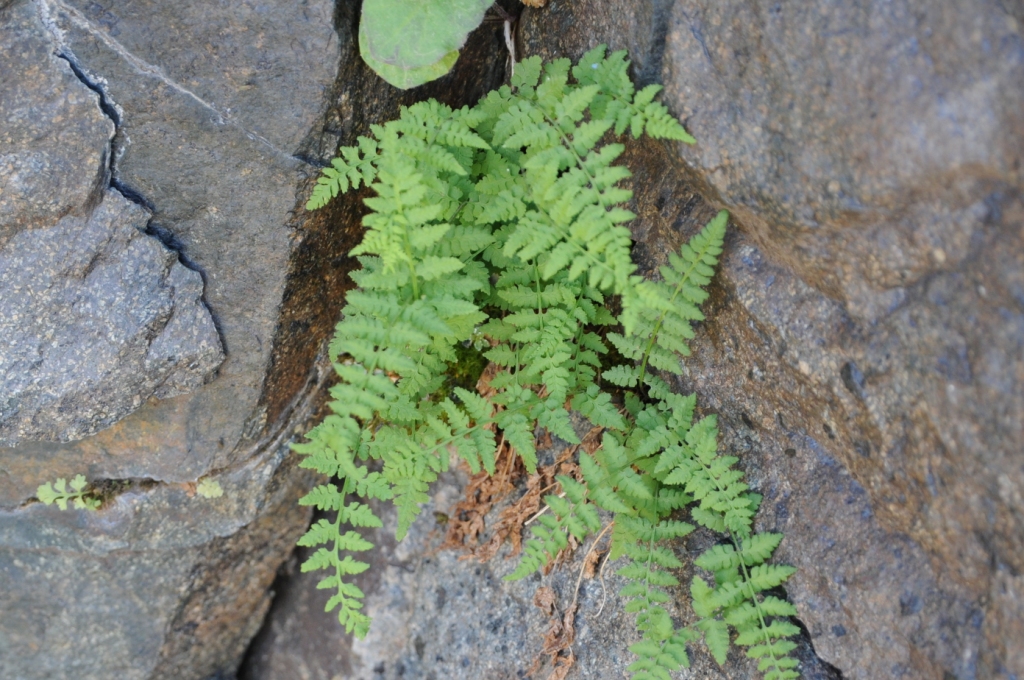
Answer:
(502, 225)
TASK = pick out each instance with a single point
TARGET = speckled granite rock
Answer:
(152, 158)
(54, 149)
(437, 616)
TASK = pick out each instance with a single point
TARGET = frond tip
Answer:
(737, 601)
(353, 166)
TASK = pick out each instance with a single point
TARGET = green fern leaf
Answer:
(716, 637)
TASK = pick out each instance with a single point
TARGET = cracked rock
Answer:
(54, 139)
(96, 317)
(148, 182)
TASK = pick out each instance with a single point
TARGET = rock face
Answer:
(440, 615)
(97, 318)
(151, 159)
(864, 347)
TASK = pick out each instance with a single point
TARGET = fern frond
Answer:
(664, 324)
(327, 534)
(662, 648)
(572, 514)
(323, 497)
(736, 600)
(656, 659)
(353, 166)
(63, 492)
(598, 408)
(712, 480)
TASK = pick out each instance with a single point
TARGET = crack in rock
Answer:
(48, 10)
(96, 315)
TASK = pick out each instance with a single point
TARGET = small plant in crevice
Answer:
(82, 494)
(61, 492)
(209, 488)
(501, 226)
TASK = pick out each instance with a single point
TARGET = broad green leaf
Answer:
(404, 79)
(410, 42)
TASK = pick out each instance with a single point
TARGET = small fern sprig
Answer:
(572, 514)
(662, 648)
(616, 100)
(736, 600)
(347, 597)
(62, 492)
(353, 167)
(662, 329)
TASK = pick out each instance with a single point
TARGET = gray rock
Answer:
(835, 117)
(159, 583)
(438, 613)
(54, 149)
(220, 194)
(96, 318)
(151, 158)
(864, 341)
(220, 181)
